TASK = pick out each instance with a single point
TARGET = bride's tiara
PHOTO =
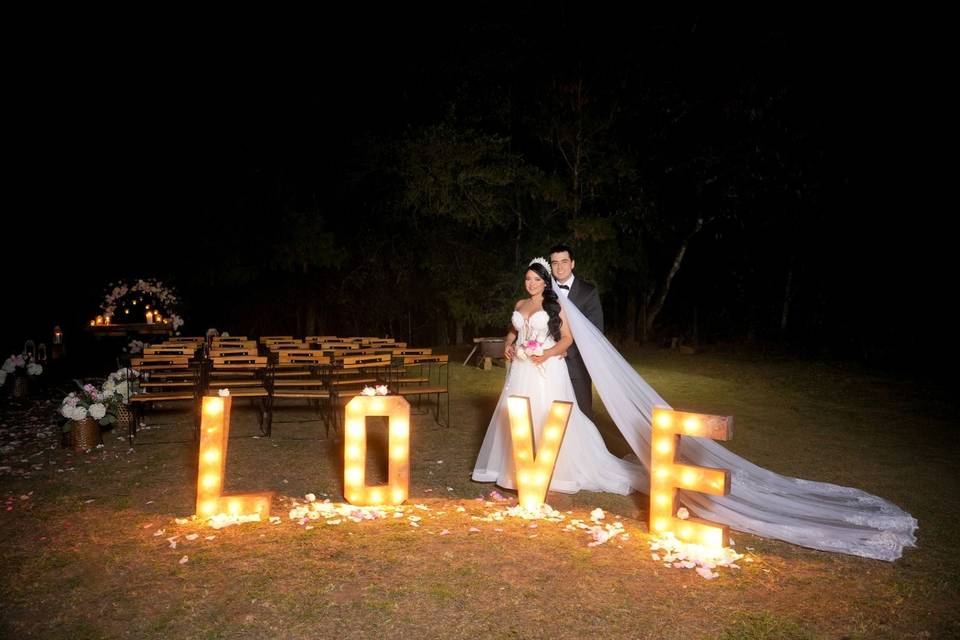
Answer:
(543, 261)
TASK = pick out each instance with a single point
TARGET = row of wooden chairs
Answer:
(326, 379)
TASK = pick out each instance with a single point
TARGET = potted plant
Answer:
(86, 411)
(20, 368)
(123, 383)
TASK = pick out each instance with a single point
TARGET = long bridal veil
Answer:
(811, 514)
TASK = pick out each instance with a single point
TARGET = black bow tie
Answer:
(563, 286)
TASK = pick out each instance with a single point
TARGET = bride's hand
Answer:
(538, 359)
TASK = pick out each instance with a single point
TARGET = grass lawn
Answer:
(82, 557)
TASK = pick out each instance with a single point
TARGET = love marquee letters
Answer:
(666, 475)
(534, 464)
(214, 437)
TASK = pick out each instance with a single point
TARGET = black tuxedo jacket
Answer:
(586, 298)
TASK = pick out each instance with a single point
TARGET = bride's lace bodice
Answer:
(533, 328)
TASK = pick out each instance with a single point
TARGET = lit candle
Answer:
(99, 320)
(149, 317)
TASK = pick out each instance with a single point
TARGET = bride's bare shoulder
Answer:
(519, 304)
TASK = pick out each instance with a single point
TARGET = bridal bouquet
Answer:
(531, 347)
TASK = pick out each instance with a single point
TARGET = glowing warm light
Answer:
(356, 429)
(663, 420)
(214, 437)
(397, 410)
(668, 475)
(534, 469)
(712, 537)
(214, 407)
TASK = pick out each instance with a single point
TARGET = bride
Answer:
(543, 330)
(811, 514)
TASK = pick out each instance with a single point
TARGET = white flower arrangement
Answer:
(22, 364)
(100, 404)
(89, 401)
(135, 346)
(164, 298)
(122, 383)
(379, 390)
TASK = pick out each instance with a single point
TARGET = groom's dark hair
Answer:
(560, 248)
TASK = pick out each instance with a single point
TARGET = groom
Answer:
(585, 297)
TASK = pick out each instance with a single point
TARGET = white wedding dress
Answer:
(812, 514)
(584, 463)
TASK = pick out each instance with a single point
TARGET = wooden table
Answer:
(490, 348)
(159, 329)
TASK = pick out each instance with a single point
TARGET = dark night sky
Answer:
(123, 134)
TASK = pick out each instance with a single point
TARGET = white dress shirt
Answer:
(566, 292)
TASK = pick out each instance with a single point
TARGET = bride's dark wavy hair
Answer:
(550, 303)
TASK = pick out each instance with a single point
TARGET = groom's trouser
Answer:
(583, 390)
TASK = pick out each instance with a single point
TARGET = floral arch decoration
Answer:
(130, 303)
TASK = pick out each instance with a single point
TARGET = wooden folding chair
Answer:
(427, 375)
(302, 374)
(165, 378)
(351, 373)
(245, 376)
